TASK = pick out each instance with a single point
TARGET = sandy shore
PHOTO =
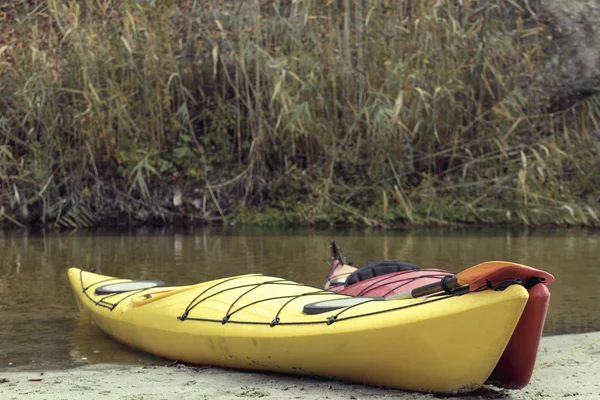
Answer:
(568, 366)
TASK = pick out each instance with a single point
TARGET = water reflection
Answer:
(40, 326)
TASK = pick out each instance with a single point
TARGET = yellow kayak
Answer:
(441, 343)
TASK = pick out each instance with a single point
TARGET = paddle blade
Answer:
(525, 274)
(488, 268)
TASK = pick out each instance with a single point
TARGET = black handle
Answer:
(335, 252)
(446, 284)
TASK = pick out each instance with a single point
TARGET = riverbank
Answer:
(566, 367)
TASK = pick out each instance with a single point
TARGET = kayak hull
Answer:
(516, 365)
(441, 344)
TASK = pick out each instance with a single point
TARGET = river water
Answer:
(40, 326)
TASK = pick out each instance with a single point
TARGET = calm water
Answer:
(40, 326)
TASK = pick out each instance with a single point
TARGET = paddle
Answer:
(477, 273)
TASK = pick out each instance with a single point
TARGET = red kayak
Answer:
(387, 278)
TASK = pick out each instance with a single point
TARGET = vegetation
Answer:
(372, 112)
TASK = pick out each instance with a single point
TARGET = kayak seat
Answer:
(122, 287)
(378, 268)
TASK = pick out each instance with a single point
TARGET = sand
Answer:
(567, 366)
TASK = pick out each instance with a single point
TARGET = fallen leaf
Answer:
(35, 379)
(3, 380)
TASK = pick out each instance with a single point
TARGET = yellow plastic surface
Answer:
(442, 344)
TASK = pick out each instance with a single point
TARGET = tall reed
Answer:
(206, 109)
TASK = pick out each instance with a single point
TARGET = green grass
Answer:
(322, 112)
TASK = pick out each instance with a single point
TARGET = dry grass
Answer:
(308, 107)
